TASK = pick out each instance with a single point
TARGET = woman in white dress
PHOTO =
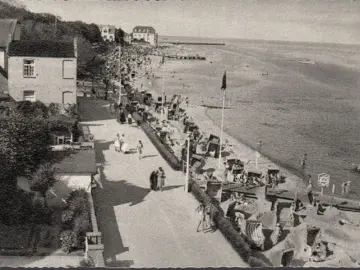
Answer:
(117, 143)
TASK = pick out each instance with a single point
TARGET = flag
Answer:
(163, 59)
(223, 85)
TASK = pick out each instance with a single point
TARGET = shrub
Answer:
(89, 262)
(78, 201)
(69, 240)
(67, 216)
(54, 109)
(82, 224)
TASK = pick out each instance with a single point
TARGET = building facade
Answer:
(43, 71)
(9, 30)
(127, 38)
(145, 33)
(107, 32)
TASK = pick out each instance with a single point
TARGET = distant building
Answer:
(107, 32)
(9, 31)
(127, 37)
(145, 33)
(42, 70)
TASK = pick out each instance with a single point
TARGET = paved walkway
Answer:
(142, 228)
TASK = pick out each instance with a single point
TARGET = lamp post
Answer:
(187, 164)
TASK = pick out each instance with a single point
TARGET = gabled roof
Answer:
(41, 48)
(144, 29)
(7, 26)
(112, 28)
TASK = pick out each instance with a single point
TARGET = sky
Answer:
(331, 21)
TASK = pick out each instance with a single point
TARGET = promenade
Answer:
(142, 228)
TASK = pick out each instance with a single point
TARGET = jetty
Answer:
(195, 43)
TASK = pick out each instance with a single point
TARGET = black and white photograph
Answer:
(179, 133)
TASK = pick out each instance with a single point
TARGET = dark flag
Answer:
(223, 85)
(163, 59)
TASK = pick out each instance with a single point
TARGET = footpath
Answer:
(143, 228)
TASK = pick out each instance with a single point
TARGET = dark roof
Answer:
(144, 29)
(62, 118)
(41, 48)
(81, 161)
(7, 26)
(111, 28)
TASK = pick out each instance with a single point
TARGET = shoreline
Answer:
(241, 149)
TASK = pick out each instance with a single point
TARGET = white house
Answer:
(145, 33)
(42, 70)
(9, 31)
(107, 32)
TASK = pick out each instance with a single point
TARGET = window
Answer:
(29, 68)
(68, 69)
(29, 95)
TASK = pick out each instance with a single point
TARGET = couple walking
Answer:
(120, 144)
(157, 179)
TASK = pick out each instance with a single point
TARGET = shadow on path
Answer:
(171, 187)
(115, 192)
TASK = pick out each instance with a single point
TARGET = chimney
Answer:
(75, 47)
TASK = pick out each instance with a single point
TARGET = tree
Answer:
(43, 179)
(24, 144)
(119, 36)
(29, 109)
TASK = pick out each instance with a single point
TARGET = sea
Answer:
(296, 98)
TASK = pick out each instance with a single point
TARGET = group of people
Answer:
(157, 179)
(122, 146)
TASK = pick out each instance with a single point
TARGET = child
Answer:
(117, 143)
(201, 211)
(161, 178)
(140, 147)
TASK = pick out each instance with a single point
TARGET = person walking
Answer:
(201, 213)
(139, 148)
(97, 178)
(161, 179)
(129, 119)
(153, 180)
(122, 141)
(117, 143)
(309, 192)
(187, 102)
(208, 217)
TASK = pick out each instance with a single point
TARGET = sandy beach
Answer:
(294, 99)
(208, 126)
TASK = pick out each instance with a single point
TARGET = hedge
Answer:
(163, 149)
(252, 257)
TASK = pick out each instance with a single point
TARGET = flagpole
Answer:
(163, 89)
(223, 87)
(222, 127)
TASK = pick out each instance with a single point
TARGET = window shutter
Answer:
(68, 69)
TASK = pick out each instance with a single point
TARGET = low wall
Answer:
(94, 247)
